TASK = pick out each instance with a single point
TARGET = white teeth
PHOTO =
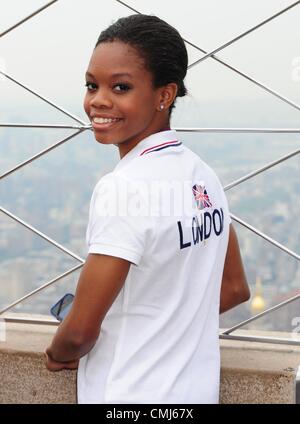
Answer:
(104, 120)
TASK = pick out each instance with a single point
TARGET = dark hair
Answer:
(160, 45)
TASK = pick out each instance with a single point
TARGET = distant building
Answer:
(258, 303)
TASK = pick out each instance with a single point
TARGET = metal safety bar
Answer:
(179, 129)
(86, 126)
(243, 34)
(261, 339)
(38, 155)
(27, 18)
(25, 320)
(264, 236)
(260, 170)
(44, 286)
(269, 310)
(74, 127)
(232, 68)
(260, 315)
(241, 130)
(42, 235)
(49, 102)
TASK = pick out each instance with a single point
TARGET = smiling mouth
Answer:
(104, 123)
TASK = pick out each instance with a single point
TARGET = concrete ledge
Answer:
(251, 372)
(257, 373)
(23, 375)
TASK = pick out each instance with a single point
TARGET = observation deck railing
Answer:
(82, 126)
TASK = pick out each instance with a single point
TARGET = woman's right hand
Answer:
(53, 365)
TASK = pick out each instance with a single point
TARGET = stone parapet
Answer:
(251, 372)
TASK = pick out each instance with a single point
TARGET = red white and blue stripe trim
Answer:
(174, 143)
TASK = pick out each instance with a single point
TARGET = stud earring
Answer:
(161, 107)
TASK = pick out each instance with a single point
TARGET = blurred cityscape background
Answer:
(50, 55)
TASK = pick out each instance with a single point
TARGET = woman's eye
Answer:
(90, 86)
(121, 87)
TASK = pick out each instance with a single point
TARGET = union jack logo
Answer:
(201, 196)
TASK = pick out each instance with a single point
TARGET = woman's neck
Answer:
(125, 147)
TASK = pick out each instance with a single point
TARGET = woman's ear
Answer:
(167, 95)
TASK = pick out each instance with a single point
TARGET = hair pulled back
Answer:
(158, 43)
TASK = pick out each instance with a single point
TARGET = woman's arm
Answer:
(234, 289)
(100, 281)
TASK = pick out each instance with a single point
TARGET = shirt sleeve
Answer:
(118, 225)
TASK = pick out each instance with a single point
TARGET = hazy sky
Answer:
(50, 52)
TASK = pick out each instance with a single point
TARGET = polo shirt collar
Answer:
(160, 141)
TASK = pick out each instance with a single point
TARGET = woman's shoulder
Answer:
(197, 160)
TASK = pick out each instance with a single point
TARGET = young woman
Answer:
(163, 258)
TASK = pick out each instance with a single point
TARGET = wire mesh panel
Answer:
(73, 128)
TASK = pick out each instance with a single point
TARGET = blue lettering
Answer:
(221, 219)
(203, 231)
(222, 213)
(199, 230)
(207, 234)
(182, 245)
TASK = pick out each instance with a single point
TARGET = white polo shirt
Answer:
(164, 210)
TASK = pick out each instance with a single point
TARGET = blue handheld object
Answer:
(62, 307)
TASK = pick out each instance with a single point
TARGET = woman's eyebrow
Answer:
(121, 74)
(116, 75)
(88, 74)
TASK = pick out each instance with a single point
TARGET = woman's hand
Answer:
(53, 365)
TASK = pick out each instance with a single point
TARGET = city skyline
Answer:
(217, 98)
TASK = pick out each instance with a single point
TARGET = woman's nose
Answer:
(101, 99)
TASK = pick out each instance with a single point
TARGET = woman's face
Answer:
(121, 102)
